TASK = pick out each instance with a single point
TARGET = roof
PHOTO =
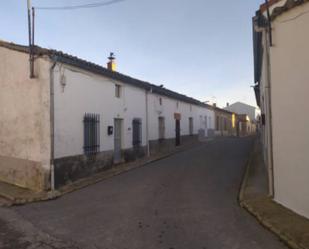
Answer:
(288, 4)
(98, 69)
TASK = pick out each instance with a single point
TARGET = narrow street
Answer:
(186, 201)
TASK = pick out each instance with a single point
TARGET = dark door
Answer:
(117, 140)
(177, 124)
(137, 133)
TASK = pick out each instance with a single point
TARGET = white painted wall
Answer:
(290, 88)
(169, 108)
(289, 60)
(85, 92)
(242, 108)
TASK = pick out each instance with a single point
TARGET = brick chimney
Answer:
(111, 65)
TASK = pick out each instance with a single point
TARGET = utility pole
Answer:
(30, 40)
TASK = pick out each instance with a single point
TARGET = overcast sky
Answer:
(200, 48)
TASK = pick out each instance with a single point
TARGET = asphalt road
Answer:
(186, 201)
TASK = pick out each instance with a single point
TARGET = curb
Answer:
(282, 237)
(241, 195)
(245, 204)
(85, 182)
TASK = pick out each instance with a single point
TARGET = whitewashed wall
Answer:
(85, 92)
(289, 106)
(290, 88)
(169, 108)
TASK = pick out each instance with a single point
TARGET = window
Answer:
(137, 132)
(91, 133)
(206, 125)
(177, 104)
(117, 91)
(160, 101)
(191, 126)
(161, 128)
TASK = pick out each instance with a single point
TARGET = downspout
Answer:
(147, 120)
(52, 124)
(268, 43)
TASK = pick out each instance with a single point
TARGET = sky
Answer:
(199, 48)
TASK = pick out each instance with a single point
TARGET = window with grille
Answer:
(91, 133)
(137, 132)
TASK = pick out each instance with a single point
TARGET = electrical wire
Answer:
(83, 6)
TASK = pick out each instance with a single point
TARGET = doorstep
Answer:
(290, 227)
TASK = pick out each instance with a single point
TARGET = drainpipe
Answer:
(147, 120)
(268, 43)
(52, 125)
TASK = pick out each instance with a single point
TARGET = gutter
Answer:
(52, 123)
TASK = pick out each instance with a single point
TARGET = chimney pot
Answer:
(111, 65)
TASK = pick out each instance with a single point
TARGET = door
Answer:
(191, 126)
(137, 133)
(161, 128)
(177, 124)
(117, 140)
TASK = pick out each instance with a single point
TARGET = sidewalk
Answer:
(13, 195)
(291, 228)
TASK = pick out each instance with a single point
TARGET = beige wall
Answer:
(24, 121)
(290, 105)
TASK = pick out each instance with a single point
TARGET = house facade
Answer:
(225, 122)
(76, 118)
(246, 116)
(242, 108)
(281, 38)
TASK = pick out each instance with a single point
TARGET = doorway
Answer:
(177, 129)
(117, 140)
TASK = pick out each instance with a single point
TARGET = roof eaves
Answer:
(95, 68)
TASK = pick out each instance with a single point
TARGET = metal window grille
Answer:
(91, 133)
(137, 132)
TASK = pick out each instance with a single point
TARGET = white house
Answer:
(75, 118)
(242, 108)
(281, 59)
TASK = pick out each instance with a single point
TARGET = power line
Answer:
(83, 6)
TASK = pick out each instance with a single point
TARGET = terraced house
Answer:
(281, 58)
(75, 118)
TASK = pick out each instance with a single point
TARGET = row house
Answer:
(75, 118)
(281, 59)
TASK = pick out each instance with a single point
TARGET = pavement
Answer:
(290, 227)
(186, 201)
(14, 195)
